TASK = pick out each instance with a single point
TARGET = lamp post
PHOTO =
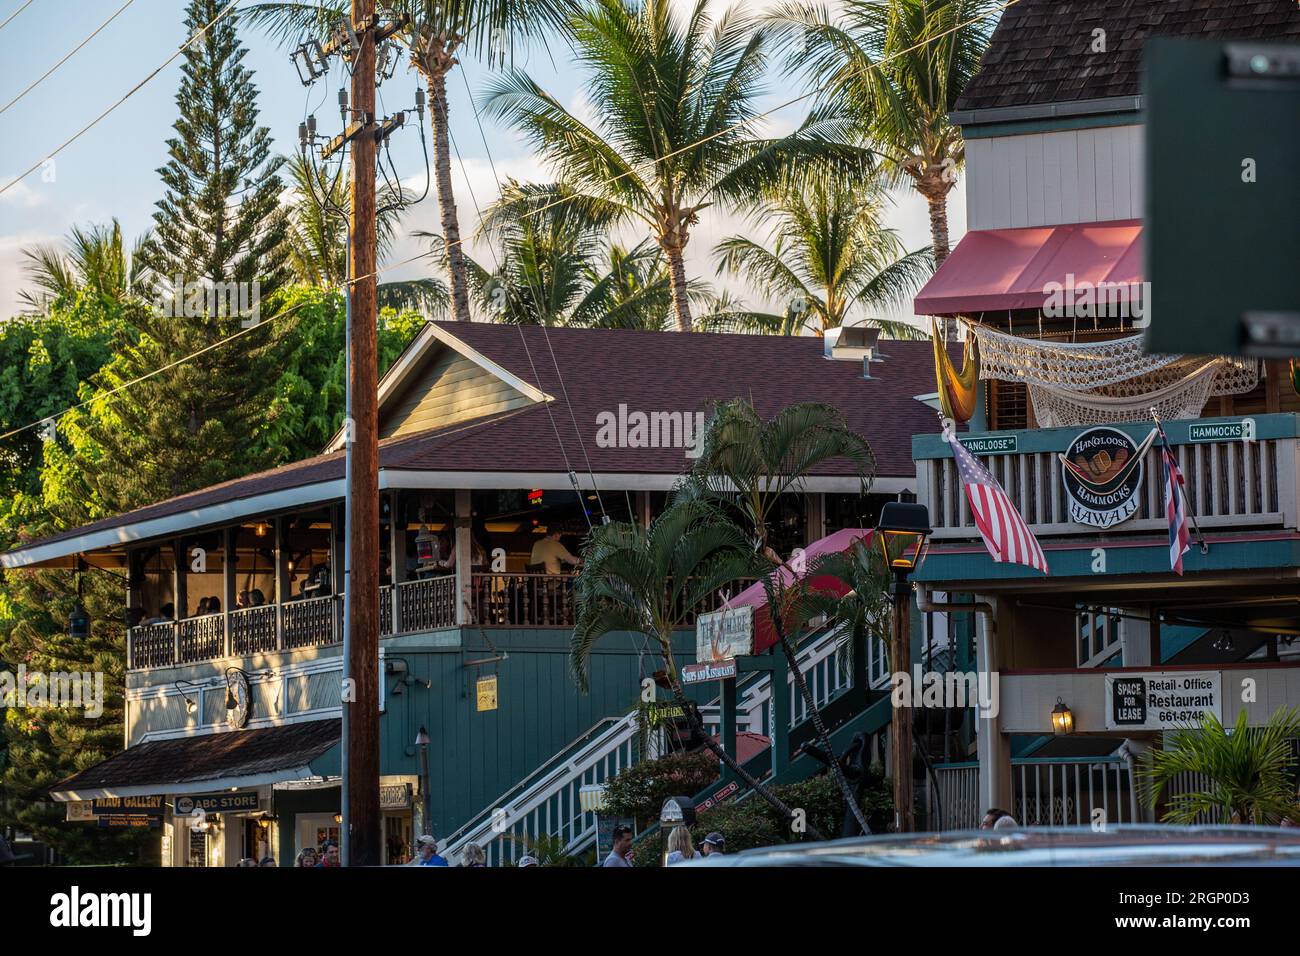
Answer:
(426, 798)
(903, 532)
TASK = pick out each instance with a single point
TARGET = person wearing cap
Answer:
(622, 838)
(528, 860)
(426, 852)
(715, 842)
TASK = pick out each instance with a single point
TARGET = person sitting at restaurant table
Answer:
(478, 556)
(203, 607)
(214, 605)
(165, 615)
(550, 552)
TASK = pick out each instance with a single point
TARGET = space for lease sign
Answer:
(1162, 700)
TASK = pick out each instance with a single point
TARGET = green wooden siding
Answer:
(475, 757)
(447, 389)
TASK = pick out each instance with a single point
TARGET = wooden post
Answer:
(281, 578)
(228, 582)
(780, 728)
(363, 836)
(397, 555)
(180, 598)
(464, 558)
(727, 711)
(900, 735)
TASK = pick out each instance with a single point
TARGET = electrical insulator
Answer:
(419, 101)
(311, 126)
(343, 103)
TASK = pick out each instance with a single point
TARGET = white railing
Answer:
(1229, 484)
(1098, 636)
(1045, 792)
(547, 802)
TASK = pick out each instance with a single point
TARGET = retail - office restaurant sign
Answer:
(1102, 473)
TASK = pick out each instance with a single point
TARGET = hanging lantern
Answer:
(79, 623)
(261, 529)
(426, 547)
(1062, 719)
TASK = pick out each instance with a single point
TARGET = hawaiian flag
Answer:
(1005, 533)
(1175, 505)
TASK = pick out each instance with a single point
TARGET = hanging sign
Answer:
(81, 811)
(1102, 473)
(1162, 700)
(708, 670)
(724, 634)
(395, 796)
(1243, 430)
(129, 806)
(487, 693)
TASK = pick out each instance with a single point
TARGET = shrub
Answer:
(639, 791)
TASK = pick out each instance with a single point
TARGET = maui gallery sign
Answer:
(1102, 472)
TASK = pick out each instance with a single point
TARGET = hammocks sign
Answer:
(1102, 473)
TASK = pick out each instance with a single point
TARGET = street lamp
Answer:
(426, 798)
(903, 532)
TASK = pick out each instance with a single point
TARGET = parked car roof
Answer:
(1118, 845)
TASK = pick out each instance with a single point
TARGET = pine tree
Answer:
(217, 251)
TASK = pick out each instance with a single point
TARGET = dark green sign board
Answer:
(1217, 431)
(999, 445)
(1221, 243)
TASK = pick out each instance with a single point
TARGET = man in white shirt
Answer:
(551, 552)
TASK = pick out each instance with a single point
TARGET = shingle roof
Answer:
(210, 757)
(1041, 50)
(646, 371)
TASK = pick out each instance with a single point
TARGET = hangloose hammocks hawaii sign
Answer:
(1102, 472)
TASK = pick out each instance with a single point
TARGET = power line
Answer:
(15, 13)
(67, 56)
(425, 255)
(131, 92)
(735, 126)
(546, 333)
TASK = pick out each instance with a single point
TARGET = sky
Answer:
(111, 171)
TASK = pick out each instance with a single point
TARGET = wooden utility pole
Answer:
(363, 836)
(900, 730)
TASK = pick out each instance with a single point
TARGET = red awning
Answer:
(998, 269)
(756, 593)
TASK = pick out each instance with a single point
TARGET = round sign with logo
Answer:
(1102, 474)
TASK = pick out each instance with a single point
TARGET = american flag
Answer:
(1005, 533)
(1175, 506)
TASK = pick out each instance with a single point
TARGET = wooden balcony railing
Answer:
(1231, 483)
(253, 630)
(311, 622)
(151, 645)
(201, 639)
(522, 600)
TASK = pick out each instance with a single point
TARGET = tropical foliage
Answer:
(1247, 774)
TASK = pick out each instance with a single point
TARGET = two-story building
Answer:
(1049, 282)
(492, 437)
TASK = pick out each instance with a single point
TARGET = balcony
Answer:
(414, 606)
(1231, 483)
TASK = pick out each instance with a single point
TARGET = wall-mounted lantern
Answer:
(1062, 719)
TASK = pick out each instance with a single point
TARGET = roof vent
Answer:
(852, 343)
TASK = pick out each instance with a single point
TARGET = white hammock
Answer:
(1055, 407)
(1095, 382)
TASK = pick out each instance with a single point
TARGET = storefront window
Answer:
(854, 511)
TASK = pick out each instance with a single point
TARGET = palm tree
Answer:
(1248, 771)
(435, 34)
(95, 260)
(555, 265)
(747, 463)
(318, 238)
(676, 121)
(829, 254)
(647, 580)
(895, 68)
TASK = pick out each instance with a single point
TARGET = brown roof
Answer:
(646, 371)
(1041, 51)
(197, 760)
